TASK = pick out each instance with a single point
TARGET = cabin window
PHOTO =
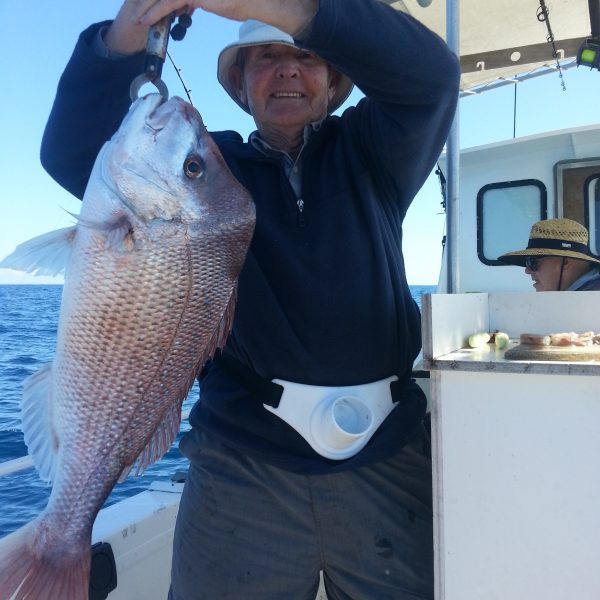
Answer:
(505, 213)
(592, 212)
(578, 194)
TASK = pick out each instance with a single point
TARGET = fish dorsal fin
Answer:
(222, 331)
(169, 428)
(160, 442)
(37, 421)
(46, 254)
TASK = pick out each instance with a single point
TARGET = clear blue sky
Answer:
(37, 42)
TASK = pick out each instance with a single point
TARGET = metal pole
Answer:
(453, 154)
(515, 113)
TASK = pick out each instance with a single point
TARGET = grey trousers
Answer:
(250, 531)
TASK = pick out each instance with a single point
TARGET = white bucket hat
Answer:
(255, 33)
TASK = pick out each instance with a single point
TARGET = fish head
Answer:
(163, 164)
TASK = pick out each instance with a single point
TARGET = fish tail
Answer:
(28, 573)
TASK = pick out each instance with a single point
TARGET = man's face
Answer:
(284, 87)
(545, 273)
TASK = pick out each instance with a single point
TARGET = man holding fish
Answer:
(307, 451)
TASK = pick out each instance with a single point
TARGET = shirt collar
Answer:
(268, 150)
(587, 276)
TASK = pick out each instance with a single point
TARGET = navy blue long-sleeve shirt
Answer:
(323, 297)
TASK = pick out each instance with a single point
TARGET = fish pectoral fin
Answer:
(46, 254)
(37, 422)
(160, 442)
(117, 231)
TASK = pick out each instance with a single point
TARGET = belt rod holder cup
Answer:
(346, 421)
(337, 422)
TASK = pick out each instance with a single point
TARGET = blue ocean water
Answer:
(28, 327)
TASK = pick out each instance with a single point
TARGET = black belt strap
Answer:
(270, 393)
(396, 388)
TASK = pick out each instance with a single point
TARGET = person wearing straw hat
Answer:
(308, 450)
(558, 257)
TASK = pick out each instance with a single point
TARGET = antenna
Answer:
(515, 111)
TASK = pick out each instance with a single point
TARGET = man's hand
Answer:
(129, 32)
(290, 16)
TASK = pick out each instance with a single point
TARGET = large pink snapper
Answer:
(149, 295)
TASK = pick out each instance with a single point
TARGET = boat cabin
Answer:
(507, 186)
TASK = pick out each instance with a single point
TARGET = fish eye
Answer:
(193, 167)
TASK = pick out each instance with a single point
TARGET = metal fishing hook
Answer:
(156, 52)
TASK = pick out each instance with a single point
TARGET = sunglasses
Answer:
(532, 263)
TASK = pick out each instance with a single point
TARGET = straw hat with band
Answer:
(255, 33)
(554, 237)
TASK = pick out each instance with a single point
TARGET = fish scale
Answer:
(149, 295)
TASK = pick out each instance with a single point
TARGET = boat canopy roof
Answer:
(504, 39)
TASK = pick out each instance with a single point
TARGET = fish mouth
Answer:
(162, 113)
(151, 104)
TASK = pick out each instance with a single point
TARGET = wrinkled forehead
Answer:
(247, 53)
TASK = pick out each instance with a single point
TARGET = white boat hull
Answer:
(140, 530)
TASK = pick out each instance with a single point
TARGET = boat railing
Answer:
(23, 463)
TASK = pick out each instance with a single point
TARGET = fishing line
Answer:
(188, 92)
(178, 31)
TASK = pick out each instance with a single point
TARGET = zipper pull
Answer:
(301, 219)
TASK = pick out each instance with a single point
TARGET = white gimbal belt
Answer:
(337, 422)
